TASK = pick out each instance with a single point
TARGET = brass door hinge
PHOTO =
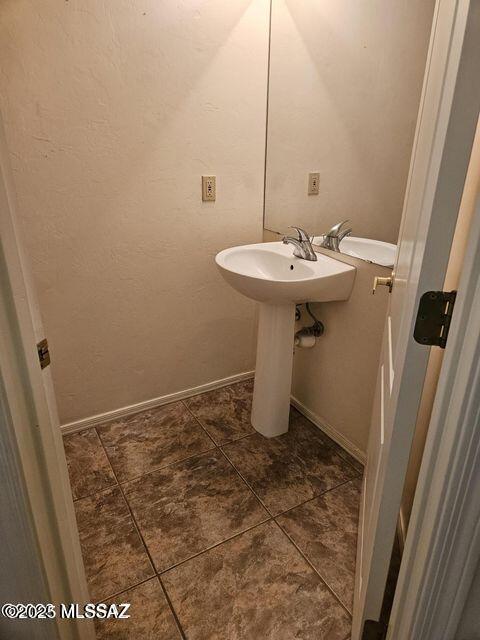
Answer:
(43, 353)
(434, 316)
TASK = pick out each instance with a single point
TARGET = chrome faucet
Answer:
(332, 239)
(303, 245)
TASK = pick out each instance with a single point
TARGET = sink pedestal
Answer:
(273, 369)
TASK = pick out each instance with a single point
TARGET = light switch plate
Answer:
(209, 188)
(313, 184)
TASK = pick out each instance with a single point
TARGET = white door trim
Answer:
(35, 427)
(443, 542)
(444, 138)
(442, 547)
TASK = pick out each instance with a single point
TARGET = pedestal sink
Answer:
(272, 275)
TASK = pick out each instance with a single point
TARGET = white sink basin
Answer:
(269, 272)
(382, 253)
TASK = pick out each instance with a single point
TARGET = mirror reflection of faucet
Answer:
(331, 240)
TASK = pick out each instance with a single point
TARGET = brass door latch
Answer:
(386, 282)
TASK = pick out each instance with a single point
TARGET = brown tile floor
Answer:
(212, 531)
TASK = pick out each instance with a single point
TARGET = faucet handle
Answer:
(302, 234)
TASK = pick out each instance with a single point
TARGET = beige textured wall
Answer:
(336, 379)
(345, 83)
(112, 112)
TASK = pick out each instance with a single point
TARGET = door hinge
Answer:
(43, 353)
(433, 317)
(374, 630)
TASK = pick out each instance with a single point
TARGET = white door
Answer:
(445, 133)
(44, 497)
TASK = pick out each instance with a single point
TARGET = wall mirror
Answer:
(345, 81)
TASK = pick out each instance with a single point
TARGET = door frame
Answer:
(442, 548)
(443, 142)
(45, 501)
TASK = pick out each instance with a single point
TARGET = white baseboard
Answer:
(85, 423)
(330, 431)
(123, 412)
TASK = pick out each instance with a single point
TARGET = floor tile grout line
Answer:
(170, 464)
(95, 493)
(274, 518)
(326, 440)
(281, 513)
(172, 608)
(237, 535)
(221, 444)
(155, 576)
(310, 563)
(106, 453)
(134, 586)
(135, 524)
(307, 559)
(220, 448)
(214, 446)
(247, 483)
(157, 573)
(315, 497)
(228, 442)
(147, 551)
(329, 443)
(214, 546)
(118, 483)
(197, 420)
(137, 527)
(333, 446)
(167, 466)
(267, 519)
(134, 520)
